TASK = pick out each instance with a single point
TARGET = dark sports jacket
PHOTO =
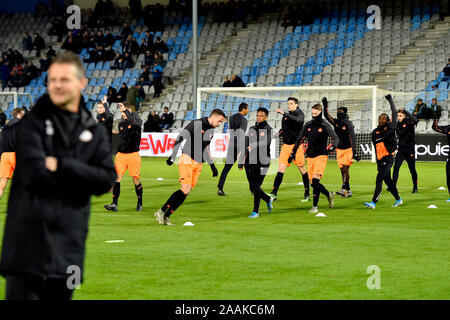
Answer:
(442, 129)
(292, 124)
(258, 139)
(344, 130)
(130, 133)
(8, 140)
(48, 212)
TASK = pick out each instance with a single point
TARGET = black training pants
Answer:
(384, 174)
(407, 154)
(255, 176)
(27, 287)
(231, 159)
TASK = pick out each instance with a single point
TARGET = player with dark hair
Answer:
(316, 133)
(406, 143)
(257, 159)
(8, 148)
(198, 135)
(292, 124)
(238, 126)
(346, 149)
(105, 117)
(444, 130)
(385, 142)
(128, 157)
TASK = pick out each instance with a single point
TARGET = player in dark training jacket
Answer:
(444, 130)
(316, 133)
(257, 159)
(385, 142)
(198, 135)
(128, 157)
(292, 124)
(346, 150)
(406, 143)
(238, 126)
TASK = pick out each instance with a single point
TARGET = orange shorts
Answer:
(286, 150)
(344, 157)
(316, 166)
(7, 164)
(189, 170)
(130, 162)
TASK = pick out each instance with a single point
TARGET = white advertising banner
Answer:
(158, 144)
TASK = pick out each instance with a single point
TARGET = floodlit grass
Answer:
(287, 254)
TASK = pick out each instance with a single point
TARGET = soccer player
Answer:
(8, 149)
(346, 150)
(257, 159)
(292, 124)
(385, 142)
(238, 126)
(316, 133)
(444, 130)
(406, 143)
(128, 157)
(198, 135)
(105, 117)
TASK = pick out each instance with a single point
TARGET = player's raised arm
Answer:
(327, 115)
(393, 110)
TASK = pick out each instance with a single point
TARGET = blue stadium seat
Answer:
(443, 95)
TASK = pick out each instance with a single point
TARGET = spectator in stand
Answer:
(18, 58)
(226, 82)
(70, 44)
(157, 72)
(127, 44)
(144, 78)
(115, 64)
(160, 45)
(445, 77)
(148, 58)
(127, 61)
(236, 81)
(94, 55)
(108, 54)
(122, 93)
(57, 28)
(157, 59)
(436, 109)
(144, 45)
(136, 9)
(112, 95)
(109, 38)
(133, 98)
(150, 42)
(45, 63)
(27, 42)
(131, 45)
(31, 71)
(100, 39)
(50, 52)
(166, 119)
(422, 111)
(16, 75)
(5, 73)
(38, 44)
(141, 93)
(152, 123)
(2, 118)
(99, 9)
(126, 30)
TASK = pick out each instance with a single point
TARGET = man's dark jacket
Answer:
(48, 212)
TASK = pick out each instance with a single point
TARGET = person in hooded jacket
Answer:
(63, 158)
(385, 142)
(346, 150)
(444, 130)
(105, 117)
(316, 133)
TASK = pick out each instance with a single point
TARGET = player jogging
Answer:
(316, 133)
(385, 142)
(444, 130)
(198, 135)
(292, 124)
(128, 157)
(8, 149)
(406, 143)
(346, 149)
(238, 126)
(257, 159)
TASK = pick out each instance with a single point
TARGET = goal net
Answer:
(364, 104)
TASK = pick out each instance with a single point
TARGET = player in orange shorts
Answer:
(346, 150)
(128, 157)
(8, 149)
(198, 135)
(292, 124)
(316, 132)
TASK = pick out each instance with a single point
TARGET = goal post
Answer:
(364, 105)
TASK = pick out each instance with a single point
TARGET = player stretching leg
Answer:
(128, 157)
(198, 135)
(385, 142)
(292, 124)
(444, 130)
(316, 132)
(346, 150)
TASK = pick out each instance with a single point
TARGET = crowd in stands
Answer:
(233, 81)
(302, 13)
(156, 123)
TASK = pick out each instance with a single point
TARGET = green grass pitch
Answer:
(287, 254)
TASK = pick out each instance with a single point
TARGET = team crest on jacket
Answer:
(129, 126)
(309, 129)
(344, 128)
(103, 119)
(404, 125)
(320, 130)
(86, 136)
(262, 134)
